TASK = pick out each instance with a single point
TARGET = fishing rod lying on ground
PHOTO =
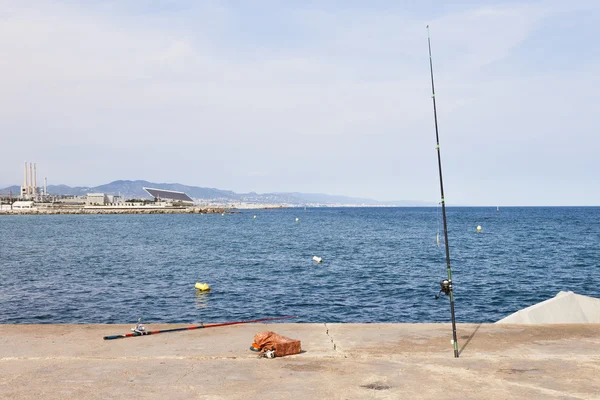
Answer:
(139, 330)
(446, 284)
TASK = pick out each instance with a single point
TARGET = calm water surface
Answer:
(380, 264)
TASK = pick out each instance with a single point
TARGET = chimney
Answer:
(34, 179)
(25, 175)
(30, 178)
(45, 186)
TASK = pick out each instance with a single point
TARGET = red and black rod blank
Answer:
(190, 328)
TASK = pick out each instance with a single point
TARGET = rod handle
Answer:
(114, 337)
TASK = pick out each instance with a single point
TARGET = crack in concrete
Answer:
(186, 374)
(333, 341)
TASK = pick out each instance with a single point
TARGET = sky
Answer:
(307, 96)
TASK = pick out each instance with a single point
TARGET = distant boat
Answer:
(497, 208)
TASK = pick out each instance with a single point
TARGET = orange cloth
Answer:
(283, 346)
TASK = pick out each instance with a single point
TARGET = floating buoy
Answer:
(297, 219)
(478, 228)
(203, 287)
(255, 217)
(317, 259)
(222, 215)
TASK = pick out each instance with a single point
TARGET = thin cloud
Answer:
(310, 98)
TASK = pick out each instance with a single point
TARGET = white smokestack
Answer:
(25, 175)
(45, 186)
(34, 178)
(30, 178)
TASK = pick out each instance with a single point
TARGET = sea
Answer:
(379, 264)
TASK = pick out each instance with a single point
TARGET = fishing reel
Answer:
(445, 287)
(139, 328)
(269, 354)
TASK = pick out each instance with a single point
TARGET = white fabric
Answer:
(564, 308)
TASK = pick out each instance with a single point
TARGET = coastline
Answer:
(339, 361)
(119, 210)
(95, 210)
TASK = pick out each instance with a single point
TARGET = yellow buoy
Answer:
(478, 228)
(255, 217)
(203, 287)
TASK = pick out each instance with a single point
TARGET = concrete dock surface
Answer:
(339, 361)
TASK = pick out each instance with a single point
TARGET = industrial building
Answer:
(23, 205)
(169, 196)
(96, 199)
(102, 199)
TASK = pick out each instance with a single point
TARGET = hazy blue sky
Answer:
(311, 96)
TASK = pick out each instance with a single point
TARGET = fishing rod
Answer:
(140, 330)
(446, 284)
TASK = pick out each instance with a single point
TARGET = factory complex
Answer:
(161, 198)
(35, 199)
(30, 198)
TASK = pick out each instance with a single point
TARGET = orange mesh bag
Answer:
(283, 346)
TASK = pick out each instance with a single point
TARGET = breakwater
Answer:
(354, 361)
(129, 210)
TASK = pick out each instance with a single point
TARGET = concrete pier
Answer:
(339, 361)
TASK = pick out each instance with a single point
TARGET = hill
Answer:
(135, 189)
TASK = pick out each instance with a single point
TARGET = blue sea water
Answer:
(379, 264)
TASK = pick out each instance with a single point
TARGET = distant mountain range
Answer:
(134, 189)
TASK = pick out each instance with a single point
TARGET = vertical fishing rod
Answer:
(446, 285)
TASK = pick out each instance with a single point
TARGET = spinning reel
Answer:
(446, 287)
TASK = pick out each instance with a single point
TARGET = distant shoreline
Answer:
(102, 211)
